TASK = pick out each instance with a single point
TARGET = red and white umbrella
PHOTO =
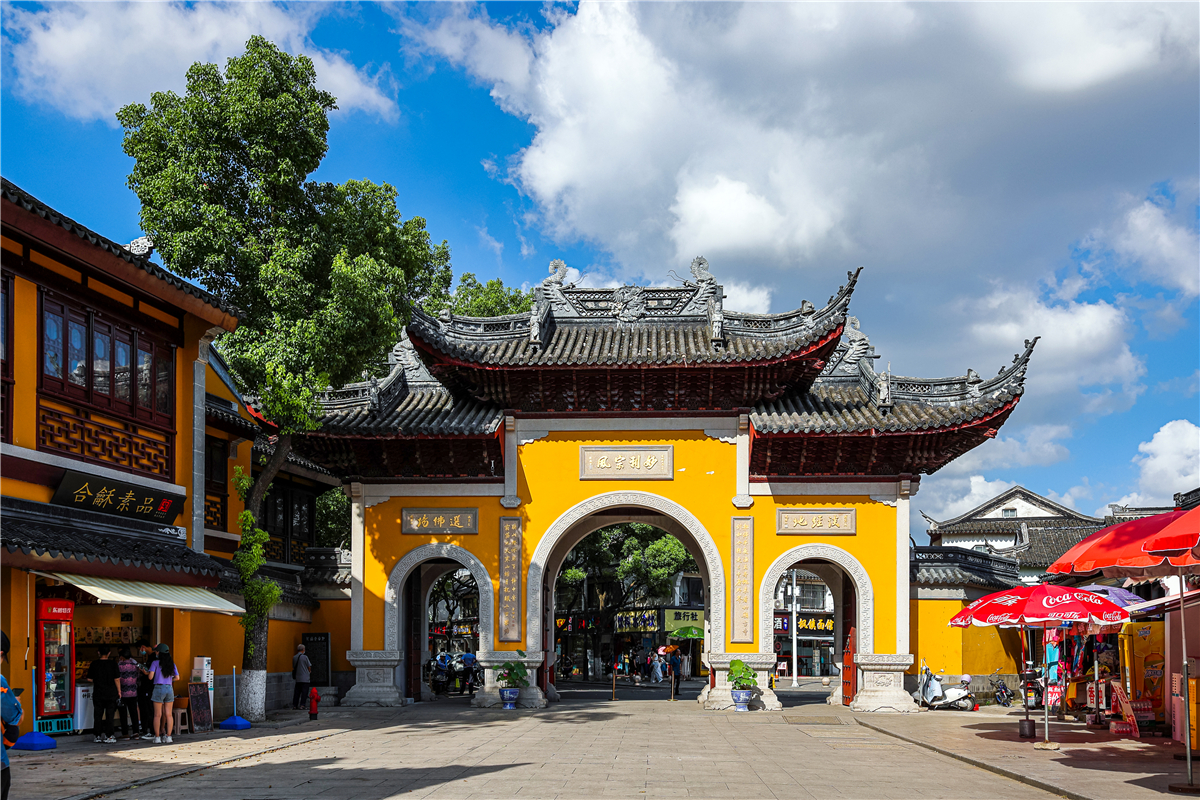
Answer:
(1040, 605)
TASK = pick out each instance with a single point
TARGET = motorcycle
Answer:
(460, 673)
(439, 673)
(1003, 694)
(930, 693)
(1034, 686)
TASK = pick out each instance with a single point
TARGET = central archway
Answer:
(584, 518)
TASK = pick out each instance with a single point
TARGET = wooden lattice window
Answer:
(216, 477)
(88, 356)
(289, 515)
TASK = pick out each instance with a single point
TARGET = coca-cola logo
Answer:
(1112, 616)
(1054, 602)
(1088, 597)
(998, 617)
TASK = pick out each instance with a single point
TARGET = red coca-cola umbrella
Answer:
(1118, 551)
(1150, 547)
(1040, 605)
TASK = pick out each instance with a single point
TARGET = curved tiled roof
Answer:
(18, 196)
(425, 411)
(586, 327)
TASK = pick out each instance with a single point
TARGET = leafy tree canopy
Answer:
(474, 299)
(629, 564)
(322, 272)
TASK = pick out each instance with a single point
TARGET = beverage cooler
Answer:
(55, 683)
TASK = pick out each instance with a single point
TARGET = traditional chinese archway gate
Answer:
(759, 440)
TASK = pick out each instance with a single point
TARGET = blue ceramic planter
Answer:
(509, 696)
(741, 699)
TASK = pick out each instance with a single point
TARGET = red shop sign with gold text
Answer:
(91, 492)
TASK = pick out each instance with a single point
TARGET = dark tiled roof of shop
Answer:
(18, 196)
(231, 419)
(956, 576)
(38, 529)
(424, 411)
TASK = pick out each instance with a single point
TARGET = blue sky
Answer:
(1001, 171)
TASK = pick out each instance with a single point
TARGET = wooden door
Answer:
(849, 671)
(414, 608)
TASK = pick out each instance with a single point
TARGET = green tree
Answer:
(321, 273)
(332, 520)
(629, 565)
(474, 299)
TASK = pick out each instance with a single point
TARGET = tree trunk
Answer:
(252, 688)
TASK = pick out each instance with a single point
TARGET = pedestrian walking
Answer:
(163, 674)
(302, 675)
(10, 716)
(145, 657)
(130, 673)
(106, 694)
(656, 669)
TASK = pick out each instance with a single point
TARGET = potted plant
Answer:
(742, 682)
(512, 676)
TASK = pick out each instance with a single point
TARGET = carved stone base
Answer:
(374, 683)
(489, 695)
(552, 693)
(882, 687)
(718, 698)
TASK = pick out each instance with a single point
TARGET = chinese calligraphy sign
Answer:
(820, 521)
(743, 580)
(510, 579)
(94, 493)
(439, 520)
(644, 463)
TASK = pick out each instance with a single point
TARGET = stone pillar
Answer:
(489, 696)
(882, 687)
(374, 679)
(718, 698)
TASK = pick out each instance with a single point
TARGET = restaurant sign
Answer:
(819, 624)
(108, 496)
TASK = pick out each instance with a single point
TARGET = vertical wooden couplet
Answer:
(743, 580)
(510, 579)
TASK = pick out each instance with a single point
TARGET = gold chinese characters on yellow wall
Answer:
(743, 580)
(439, 520)
(510, 579)
(645, 463)
(820, 521)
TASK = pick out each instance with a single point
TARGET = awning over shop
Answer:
(159, 595)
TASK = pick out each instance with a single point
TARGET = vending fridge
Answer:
(55, 665)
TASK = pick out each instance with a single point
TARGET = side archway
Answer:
(566, 525)
(824, 552)
(413, 559)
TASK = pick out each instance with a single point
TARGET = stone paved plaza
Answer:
(584, 746)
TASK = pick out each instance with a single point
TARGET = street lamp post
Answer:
(795, 652)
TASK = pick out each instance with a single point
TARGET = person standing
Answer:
(163, 674)
(676, 669)
(145, 689)
(130, 674)
(302, 675)
(655, 669)
(10, 715)
(106, 694)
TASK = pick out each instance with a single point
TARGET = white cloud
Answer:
(1166, 252)
(1168, 463)
(1062, 47)
(1033, 445)
(1071, 497)
(489, 241)
(746, 298)
(89, 59)
(944, 498)
(1185, 385)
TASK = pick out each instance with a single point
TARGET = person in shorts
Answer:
(163, 674)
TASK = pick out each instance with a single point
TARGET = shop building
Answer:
(120, 432)
(762, 442)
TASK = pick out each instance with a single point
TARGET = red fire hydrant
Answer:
(314, 697)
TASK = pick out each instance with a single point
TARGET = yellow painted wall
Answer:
(985, 649)
(932, 639)
(25, 363)
(704, 483)
(16, 615)
(333, 617)
(27, 491)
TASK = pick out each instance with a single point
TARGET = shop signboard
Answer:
(574, 624)
(676, 618)
(316, 647)
(806, 624)
(640, 621)
(108, 496)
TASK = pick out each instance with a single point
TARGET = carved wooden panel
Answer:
(215, 511)
(102, 440)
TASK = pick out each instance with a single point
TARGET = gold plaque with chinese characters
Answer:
(743, 580)
(510, 579)
(636, 463)
(819, 521)
(439, 520)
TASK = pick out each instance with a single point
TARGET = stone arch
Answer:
(566, 524)
(825, 552)
(404, 568)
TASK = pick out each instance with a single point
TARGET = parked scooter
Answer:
(930, 693)
(1034, 682)
(1004, 695)
(439, 673)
